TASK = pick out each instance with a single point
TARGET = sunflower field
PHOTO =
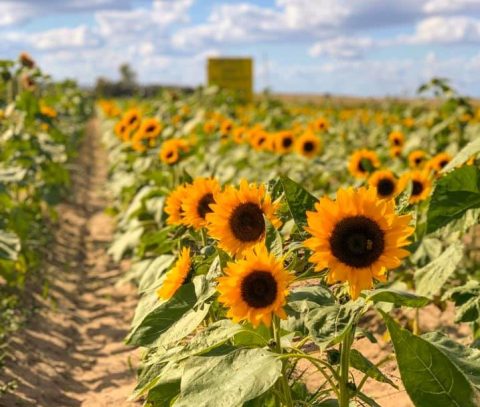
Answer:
(269, 239)
(41, 124)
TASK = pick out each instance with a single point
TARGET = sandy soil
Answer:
(71, 353)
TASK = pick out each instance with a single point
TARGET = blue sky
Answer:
(352, 47)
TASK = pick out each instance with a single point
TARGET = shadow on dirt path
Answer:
(71, 353)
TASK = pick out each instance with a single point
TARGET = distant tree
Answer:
(128, 76)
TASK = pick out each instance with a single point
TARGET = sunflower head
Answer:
(308, 144)
(171, 150)
(416, 159)
(321, 124)
(421, 184)
(150, 128)
(238, 134)
(395, 152)
(363, 162)
(238, 217)
(438, 162)
(26, 60)
(255, 287)
(259, 139)
(176, 276)
(357, 238)
(173, 205)
(132, 118)
(385, 183)
(201, 194)
(209, 126)
(396, 138)
(226, 127)
(283, 142)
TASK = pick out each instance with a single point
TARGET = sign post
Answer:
(235, 74)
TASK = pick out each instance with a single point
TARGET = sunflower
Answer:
(173, 205)
(150, 128)
(201, 194)
(438, 162)
(48, 111)
(421, 184)
(397, 139)
(385, 183)
(132, 118)
(255, 287)
(416, 159)
(395, 152)
(170, 151)
(259, 140)
(320, 124)
(308, 145)
(176, 276)
(26, 60)
(238, 134)
(120, 129)
(238, 217)
(362, 162)
(225, 128)
(209, 127)
(357, 237)
(283, 142)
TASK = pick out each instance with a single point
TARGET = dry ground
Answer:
(71, 353)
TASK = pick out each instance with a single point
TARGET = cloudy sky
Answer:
(356, 47)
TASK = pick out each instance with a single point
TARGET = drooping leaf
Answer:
(467, 301)
(229, 380)
(397, 297)
(463, 155)
(361, 363)
(430, 279)
(328, 324)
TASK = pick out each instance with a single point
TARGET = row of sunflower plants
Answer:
(261, 237)
(40, 125)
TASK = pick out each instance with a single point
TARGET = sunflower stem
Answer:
(285, 388)
(345, 367)
(203, 233)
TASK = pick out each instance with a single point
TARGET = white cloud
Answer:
(342, 47)
(451, 6)
(79, 37)
(445, 30)
(19, 11)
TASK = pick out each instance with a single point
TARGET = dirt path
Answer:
(71, 353)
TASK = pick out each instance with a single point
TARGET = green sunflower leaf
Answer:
(431, 376)
(397, 297)
(299, 201)
(430, 279)
(228, 380)
(455, 193)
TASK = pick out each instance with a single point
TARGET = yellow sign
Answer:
(235, 74)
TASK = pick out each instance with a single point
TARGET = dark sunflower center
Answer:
(170, 154)
(308, 146)
(247, 222)
(418, 160)
(259, 289)
(443, 163)
(204, 205)
(396, 141)
(357, 241)
(364, 164)
(385, 187)
(261, 140)
(286, 142)
(133, 120)
(417, 188)
(150, 129)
